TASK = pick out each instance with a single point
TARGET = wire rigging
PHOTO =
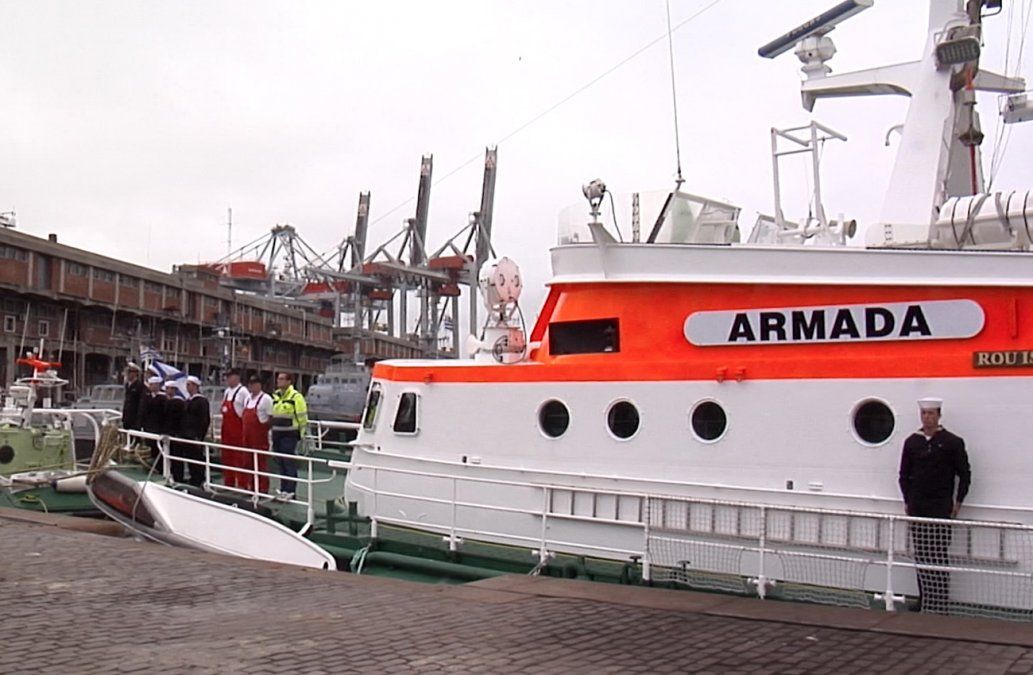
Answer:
(1002, 133)
(573, 94)
(674, 98)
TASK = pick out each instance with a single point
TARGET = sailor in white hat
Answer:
(930, 403)
(196, 419)
(934, 479)
(152, 413)
(175, 410)
(134, 393)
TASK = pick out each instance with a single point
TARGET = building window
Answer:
(103, 275)
(369, 417)
(10, 324)
(13, 253)
(709, 421)
(405, 416)
(77, 270)
(553, 418)
(44, 328)
(622, 419)
(873, 422)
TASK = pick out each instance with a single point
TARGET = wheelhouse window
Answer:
(369, 418)
(593, 336)
(405, 416)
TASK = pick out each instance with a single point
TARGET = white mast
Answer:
(938, 155)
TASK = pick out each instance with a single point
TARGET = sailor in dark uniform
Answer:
(134, 393)
(197, 417)
(152, 413)
(175, 407)
(934, 479)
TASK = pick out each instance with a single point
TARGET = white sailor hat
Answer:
(154, 379)
(194, 379)
(930, 403)
(171, 383)
(132, 366)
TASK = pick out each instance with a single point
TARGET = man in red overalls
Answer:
(233, 400)
(257, 420)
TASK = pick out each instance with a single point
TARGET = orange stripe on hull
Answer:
(654, 347)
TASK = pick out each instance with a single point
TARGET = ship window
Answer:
(369, 418)
(405, 416)
(553, 418)
(873, 421)
(584, 337)
(709, 421)
(622, 418)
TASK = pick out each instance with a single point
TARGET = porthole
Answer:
(623, 420)
(709, 421)
(873, 422)
(6, 454)
(553, 418)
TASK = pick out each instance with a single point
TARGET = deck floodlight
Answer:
(819, 25)
(594, 192)
(958, 50)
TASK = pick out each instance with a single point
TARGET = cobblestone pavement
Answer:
(78, 602)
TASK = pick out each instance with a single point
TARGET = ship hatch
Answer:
(584, 337)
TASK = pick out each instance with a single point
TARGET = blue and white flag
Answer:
(148, 353)
(167, 372)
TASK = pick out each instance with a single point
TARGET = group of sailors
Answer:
(251, 419)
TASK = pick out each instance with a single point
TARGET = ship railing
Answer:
(305, 477)
(326, 435)
(93, 418)
(842, 557)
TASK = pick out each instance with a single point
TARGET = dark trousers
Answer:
(156, 457)
(196, 471)
(931, 543)
(286, 442)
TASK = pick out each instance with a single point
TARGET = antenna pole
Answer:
(674, 98)
(229, 231)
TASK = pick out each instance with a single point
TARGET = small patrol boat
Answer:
(38, 465)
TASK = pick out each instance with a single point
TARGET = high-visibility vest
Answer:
(289, 404)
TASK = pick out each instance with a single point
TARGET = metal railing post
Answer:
(310, 513)
(891, 545)
(647, 573)
(762, 578)
(543, 553)
(207, 464)
(255, 478)
(452, 542)
(165, 448)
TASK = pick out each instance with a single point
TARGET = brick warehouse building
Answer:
(98, 312)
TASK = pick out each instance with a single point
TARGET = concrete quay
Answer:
(75, 601)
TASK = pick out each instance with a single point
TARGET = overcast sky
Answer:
(128, 128)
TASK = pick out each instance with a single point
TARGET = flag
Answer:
(148, 353)
(167, 372)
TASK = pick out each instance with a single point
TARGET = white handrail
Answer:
(995, 566)
(164, 446)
